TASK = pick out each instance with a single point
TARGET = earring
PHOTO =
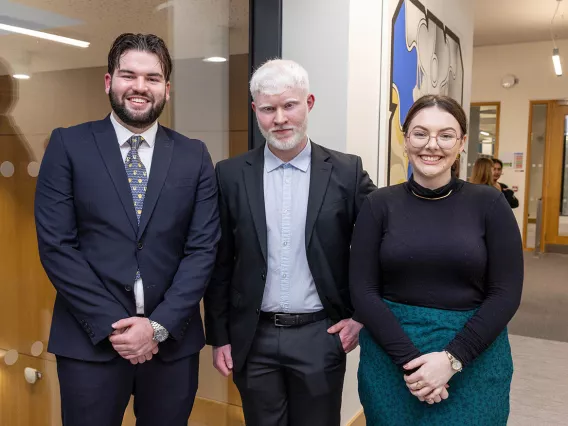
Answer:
(405, 154)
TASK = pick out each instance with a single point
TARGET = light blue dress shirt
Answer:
(289, 286)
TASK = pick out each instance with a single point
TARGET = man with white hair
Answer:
(277, 310)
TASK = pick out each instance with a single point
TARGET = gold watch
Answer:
(456, 363)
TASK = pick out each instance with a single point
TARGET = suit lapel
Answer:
(107, 143)
(161, 159)
(254, 184)
(319, 178)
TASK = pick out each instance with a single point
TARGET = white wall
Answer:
(315, 33)
(531, 63)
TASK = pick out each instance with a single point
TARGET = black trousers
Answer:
(293, 376)
(97, 393)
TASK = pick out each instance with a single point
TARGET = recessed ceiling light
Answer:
(215, 59)
(21, 76)
(45, 36)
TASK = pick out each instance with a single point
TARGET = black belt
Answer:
(292, 320)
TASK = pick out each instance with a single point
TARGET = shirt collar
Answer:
(301, 161)
(123, 134)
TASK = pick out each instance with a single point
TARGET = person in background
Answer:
(436, 274)
(127, 226)
(507, 192)
(277, 310)
(482, 173)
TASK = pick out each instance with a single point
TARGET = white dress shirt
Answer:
(145, 152)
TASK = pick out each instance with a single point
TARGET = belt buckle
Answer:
(277, 323)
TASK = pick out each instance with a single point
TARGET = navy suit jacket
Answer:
(90, 244)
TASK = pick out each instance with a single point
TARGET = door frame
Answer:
(553, 178)
(528, 169)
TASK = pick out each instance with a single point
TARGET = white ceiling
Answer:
(200, 27)
(191, 28)
(518, 21)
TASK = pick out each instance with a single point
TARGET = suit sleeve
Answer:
(182, 299)
(364, 186)
(216, 300)
(88, 300)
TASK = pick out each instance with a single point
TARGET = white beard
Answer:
(288, 144)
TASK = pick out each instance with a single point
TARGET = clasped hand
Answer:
(133, 339)
(430, 382)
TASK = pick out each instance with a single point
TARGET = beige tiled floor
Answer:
(539, 392)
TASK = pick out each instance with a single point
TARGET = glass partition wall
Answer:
(45, 84)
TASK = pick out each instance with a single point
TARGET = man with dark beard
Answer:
(127, 226)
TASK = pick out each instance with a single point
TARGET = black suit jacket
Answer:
(338, 186)
(91, 245)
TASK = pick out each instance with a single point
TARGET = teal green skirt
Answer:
(479, 395)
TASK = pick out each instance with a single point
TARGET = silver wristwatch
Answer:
(160, 333)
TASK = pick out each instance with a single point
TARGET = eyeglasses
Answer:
(446, 139)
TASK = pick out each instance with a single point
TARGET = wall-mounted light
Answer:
(21, 76)
(215, 59)
(32, 375)
(484, 133)
(556, 62)
(45, 36)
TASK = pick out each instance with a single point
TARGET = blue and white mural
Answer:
(426, 58)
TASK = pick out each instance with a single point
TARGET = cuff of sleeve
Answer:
(458, 353)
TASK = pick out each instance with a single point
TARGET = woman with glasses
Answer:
(436, 274)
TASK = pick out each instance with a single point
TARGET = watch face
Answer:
(456, 365)
(160, 336)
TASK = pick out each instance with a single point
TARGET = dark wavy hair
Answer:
(445, 103)
(142, 42)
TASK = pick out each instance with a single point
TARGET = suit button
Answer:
(140, 246)
(127, 288)
(263, 276)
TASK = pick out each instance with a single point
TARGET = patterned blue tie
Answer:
(137, 177)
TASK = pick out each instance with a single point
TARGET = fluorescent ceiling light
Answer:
(215, 59)
(484, 133)
(556, 62)
(21, 76)
(46, 36)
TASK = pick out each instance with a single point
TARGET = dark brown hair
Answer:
(142, 42)
(482, 173)
(445, 103)
(496, 160)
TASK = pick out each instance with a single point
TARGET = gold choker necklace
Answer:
(433, 199)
